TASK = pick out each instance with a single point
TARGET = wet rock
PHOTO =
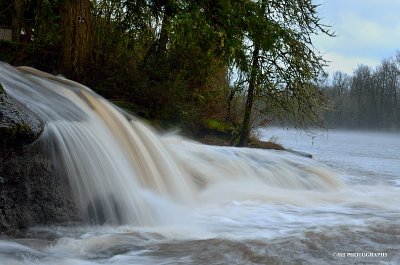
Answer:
(18, 125)
(31, 193)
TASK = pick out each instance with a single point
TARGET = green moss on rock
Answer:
(217, 125)
(18, 125)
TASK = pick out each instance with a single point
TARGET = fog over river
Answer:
(162, 199)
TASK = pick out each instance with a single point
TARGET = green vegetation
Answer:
(217, 68)
(217, 125)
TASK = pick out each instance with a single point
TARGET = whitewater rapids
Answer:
(150, 198)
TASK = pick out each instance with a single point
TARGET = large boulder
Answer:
(18, 125)
(30, 191)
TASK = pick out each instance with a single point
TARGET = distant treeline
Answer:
(368, 99)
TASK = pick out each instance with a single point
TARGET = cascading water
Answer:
(110, 158)
(174, 196)
(113, 160)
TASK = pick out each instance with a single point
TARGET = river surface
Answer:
(357, 224)
(181, 202)
(360, 157)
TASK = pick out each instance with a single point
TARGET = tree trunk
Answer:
(17, 20)
(163, 39)
(246, 126)
(76, 37)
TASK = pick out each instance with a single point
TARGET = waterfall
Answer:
(117, 165)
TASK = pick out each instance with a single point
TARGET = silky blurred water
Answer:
(280, 227)
(166, 200)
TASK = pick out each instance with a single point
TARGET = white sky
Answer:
(367, 31)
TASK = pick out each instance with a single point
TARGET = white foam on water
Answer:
(114, 161)
(143, 189)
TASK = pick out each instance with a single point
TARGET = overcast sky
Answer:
(367, 31)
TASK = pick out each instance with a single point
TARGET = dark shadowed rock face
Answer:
(30, 191)
(18, 125)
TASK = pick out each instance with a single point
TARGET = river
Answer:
(168, 200)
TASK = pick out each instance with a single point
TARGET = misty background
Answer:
(367, 99)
